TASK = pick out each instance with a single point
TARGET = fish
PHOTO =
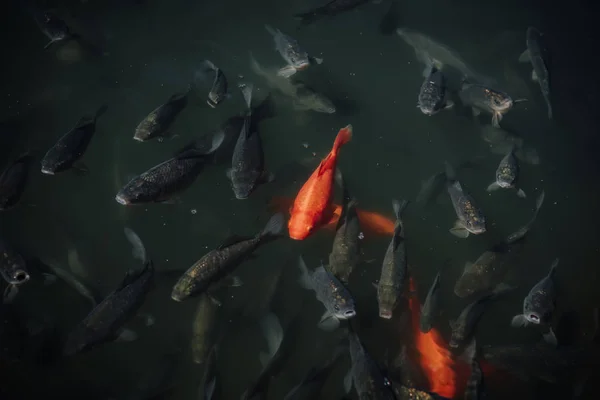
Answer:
(312, 205)
(539, 305)
(105, 322)
(338, 302)
(501, 142)
(394, 271)
(410, 393)
(432, 95)
(295, 56)
(156, 124)
(464, 326)
(72, 146)
(219, 89)
(52, 26)
(427, 49)
(74, 281)
(430, 307)
(314, 380)
(365, 375)
(345, 251)
(481, 97)
(218, 263)
(138, 250)
(470, 217)
(13, 270)
(475, 389)
(491, 266)
(13, 181)
(248, 161)
(507, 174)
(164, 181)
(202, 328)
(330, 9)
(534, 54)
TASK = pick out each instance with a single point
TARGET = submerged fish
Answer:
(338, 302)
(248, 160)
(539, 304)
(162, 182)
(475, 389)
(157, 123)
(13, 270)
(202, 328)
(507, 174)
(394, 271)
(330, 9)
(105, 322)
(71, 147)
(13, 180)
(312, 206)
(428, 49)
(540, 73)
(52, 26)
(430, 307)
(481, 97)
(470, 217)
(219, 89)
(501, 142)
(491, 266)
(464, 326)
(432, 96)
(345, 252)
(296, 57)
(218, 263)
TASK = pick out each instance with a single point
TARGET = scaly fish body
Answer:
(482, 97)
(432, 96)
(312, 206)
(289, 48)
(157, 123)
(369, 382)
(12, 182)
(345, 252)
(470, 217)
(202, 328)
(107, 318)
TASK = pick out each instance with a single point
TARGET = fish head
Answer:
(214, 99)
(15, 273)
(185, 288)
(142, 133)
(499, 101)
(325, 106)
(475, 220)
(454, 342)
(53, 162)
(428, 108)
(135, 192)
(242, 188)
(299, 61)
(300, 226)
(343, 307)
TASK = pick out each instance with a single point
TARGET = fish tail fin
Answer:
(138, 251)
(247, 93)
(399, 206)
(553, 268)
(304, 279)
(274, 226)
(273, 332)
(343, 137)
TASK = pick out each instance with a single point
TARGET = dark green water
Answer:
(152, 51)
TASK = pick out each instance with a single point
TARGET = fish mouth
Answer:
(47, 171)
(241, 196)
(349, 314)
(302, 66)
(212, 103)
(385, 314)
(177, 297)
(122, 200)
(138, 138)
(452, 344)
(21, 277)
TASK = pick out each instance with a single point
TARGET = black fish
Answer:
(157, 123)
(219, 89)
(71, 147)
(331, 9)
(12, 269)
(219, 263)
(13, 180)
(248, 160)
(105, 321)
(160, 183)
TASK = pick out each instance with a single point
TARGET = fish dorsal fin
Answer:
(231, 240)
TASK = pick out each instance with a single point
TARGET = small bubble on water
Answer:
(193, 211)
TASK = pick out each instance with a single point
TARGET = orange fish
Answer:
(312, 207)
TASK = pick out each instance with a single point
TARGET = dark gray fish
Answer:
(430, 307)
(539, 304)
(13, 180)
(470, 217)
(475, 389)
(248, 160)
(313, 382)
(338, 302)
(432, 96)
(219, 263)
(507, 174)
(203, 328)
(219, 89)
(481, 97)
(295, 56)
(369, 382)
(157, 123)
(394, 270)
(52, 26)
(162, 182)
(331, 9)
(345, 252)
(13, 270)
(534, 54)
(71, 147)
(464, 326)
(489, 269)
(105, 322)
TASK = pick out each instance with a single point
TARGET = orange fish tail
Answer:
(343, 137)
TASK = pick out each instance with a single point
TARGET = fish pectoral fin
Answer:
(449, 104)
(126, 335)
(231, 240)
(375, 285)
(328, 322)
(459, 230)
(10, 293)
(496, 117)
(348, 381)
(493, 186)
(550, 337)
(519, 321)
(287, 71)
(316, 60)
(521, 193)
(534, 76)
(525, 56)
(50, 43)
(475, 111)
(299, 106)
(172, 201)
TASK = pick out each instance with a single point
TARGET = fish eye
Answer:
(336, 307)
(21, 276)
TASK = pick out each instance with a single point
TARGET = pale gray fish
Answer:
(338, 302)
(507, 174)
(138, 250)
(534, 54)
(482, 97)
(470, 217)
(539, 305)
(296, 57)
(432, 95)
(76, 283)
